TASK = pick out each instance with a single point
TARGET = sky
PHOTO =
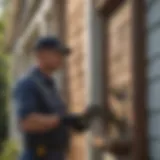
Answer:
(1, 9)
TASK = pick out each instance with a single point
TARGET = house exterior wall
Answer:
(75, 34)
(153, 57)
(120, 67)
(75, 39)
(119, 32)
(118, 63)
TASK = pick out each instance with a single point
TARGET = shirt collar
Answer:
(45, 78)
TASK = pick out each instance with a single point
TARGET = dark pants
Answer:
(30, 155)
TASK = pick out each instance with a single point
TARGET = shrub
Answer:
(3, 97)
(10, 151)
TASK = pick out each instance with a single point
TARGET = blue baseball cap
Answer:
(51, 43)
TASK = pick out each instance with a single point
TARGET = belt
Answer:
(42, 151)
(48, 147)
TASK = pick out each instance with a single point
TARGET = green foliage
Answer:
(2, 32)
(10, 151)
(3, 96)
(4, 68)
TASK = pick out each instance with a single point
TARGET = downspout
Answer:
(140, 137)
(93, 65)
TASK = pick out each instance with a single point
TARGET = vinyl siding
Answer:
(153, 29)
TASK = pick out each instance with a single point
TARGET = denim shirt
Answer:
(29, 100)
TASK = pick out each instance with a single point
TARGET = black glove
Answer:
(81, 122)
(75, 121)
(93, 111)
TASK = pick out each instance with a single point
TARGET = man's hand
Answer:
(75, 121)
(39, 123)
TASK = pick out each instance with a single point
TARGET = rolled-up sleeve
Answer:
(25, 99)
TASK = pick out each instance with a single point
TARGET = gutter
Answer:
(93, 65)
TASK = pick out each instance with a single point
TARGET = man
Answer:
(41, 114)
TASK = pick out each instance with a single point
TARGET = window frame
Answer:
(105, 10)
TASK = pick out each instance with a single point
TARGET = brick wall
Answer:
(120, 41)
(119, 53)
(75, 68)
